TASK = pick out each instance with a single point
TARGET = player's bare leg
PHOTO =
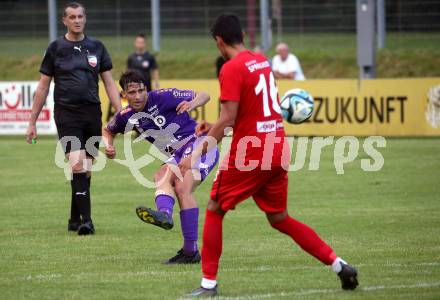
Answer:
(310, 242)
(163, 216)
(189, 220)
(185, 189)
(80, 220)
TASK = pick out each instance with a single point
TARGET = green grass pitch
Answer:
(386, 223)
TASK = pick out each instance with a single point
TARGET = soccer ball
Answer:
(296, 106)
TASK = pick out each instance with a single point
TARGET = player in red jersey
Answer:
(256, 165)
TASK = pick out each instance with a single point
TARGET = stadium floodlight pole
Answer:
(52, 19)
(264, 23)
(381, 24)
(366, 42)
(155, 24)
(277, 15)
(251, 28)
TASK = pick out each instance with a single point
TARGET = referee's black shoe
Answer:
(73, 225)
(86, 228)
(348, 276)
(181, 259)
(157, 218)
(203, 293)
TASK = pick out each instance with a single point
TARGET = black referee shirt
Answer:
(75, 67)
(143, 64)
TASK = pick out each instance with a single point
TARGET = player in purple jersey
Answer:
(162, 118)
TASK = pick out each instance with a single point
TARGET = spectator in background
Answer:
(144, 63)
(286, 65)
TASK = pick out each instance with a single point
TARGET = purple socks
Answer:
(189, 220)
(165, 203)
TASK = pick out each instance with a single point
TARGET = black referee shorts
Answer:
(79, 128)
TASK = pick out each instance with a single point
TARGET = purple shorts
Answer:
(206, 162)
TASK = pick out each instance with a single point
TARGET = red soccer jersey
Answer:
(258, 135)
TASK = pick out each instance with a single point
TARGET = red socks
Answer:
(302, 234)
(307, 239)
(212, 244)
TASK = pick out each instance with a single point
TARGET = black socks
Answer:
(80, 205)
(75, 216)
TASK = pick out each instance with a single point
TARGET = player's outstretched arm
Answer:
(111, 89)
(199, 100)
(108, 137)
(39, 99)
(228, 114)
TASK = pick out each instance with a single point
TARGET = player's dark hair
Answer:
(228, 28)
(73, 5)
(140, 35)
(128, 77)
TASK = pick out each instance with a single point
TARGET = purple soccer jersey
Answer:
(158, 122)
(173, 134)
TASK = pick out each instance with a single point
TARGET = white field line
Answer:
(48, 277)
(306, 292)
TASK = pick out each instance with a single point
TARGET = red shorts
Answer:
(268, 188)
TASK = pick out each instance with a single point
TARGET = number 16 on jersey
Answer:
(271, 91)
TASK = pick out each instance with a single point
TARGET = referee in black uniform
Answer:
(75, 61)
